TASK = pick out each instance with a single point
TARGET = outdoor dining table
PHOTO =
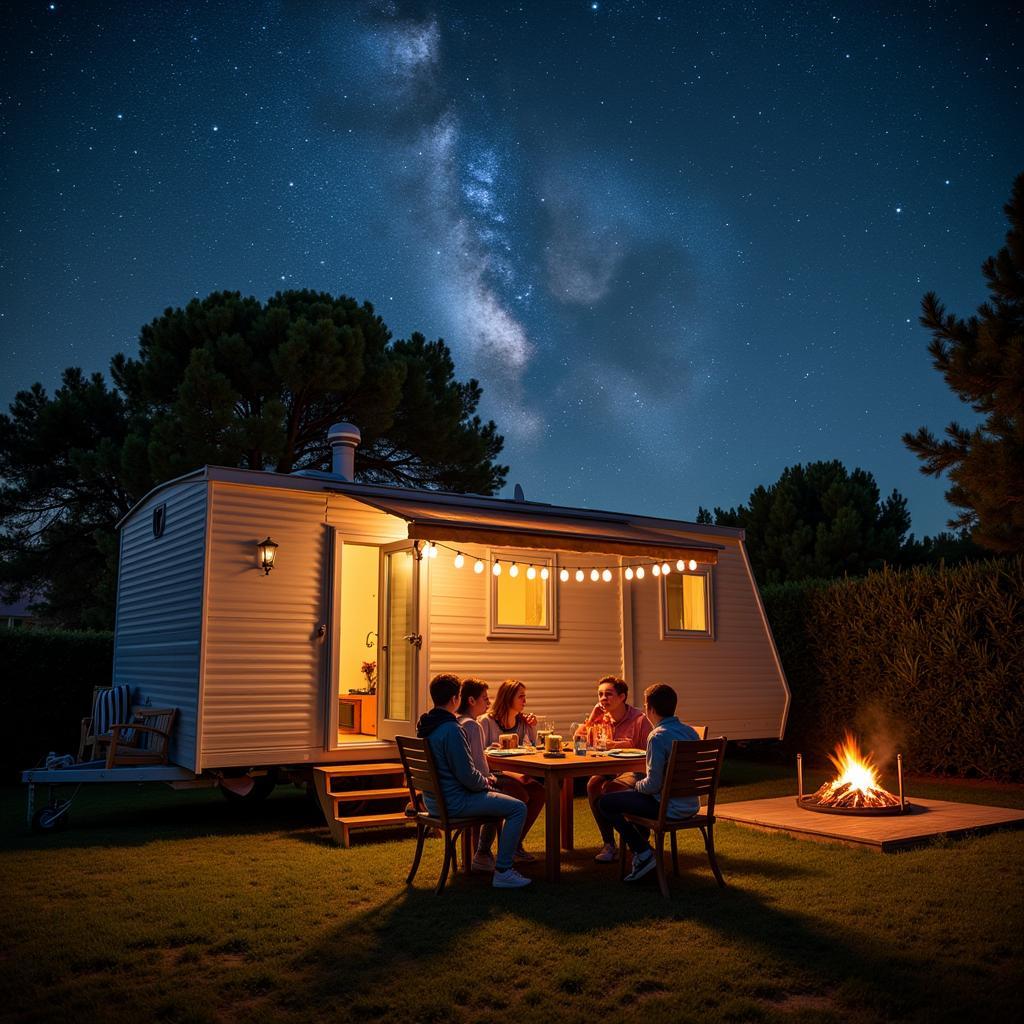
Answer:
(554, 772)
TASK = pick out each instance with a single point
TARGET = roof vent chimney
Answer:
(344, 438)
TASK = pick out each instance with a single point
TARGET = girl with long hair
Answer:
(508, 714)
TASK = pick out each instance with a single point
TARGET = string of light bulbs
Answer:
(579, 573)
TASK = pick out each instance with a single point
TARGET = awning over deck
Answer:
(545, 527)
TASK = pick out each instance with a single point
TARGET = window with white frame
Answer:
(686, 602)
(522, 600)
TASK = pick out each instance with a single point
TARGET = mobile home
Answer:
(318, 651)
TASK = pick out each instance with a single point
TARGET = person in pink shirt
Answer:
(629, 728)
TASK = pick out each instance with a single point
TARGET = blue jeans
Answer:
(491, 804)
(614, 805)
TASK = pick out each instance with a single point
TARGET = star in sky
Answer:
(667, 256)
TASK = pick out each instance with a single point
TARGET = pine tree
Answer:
(819, 521)
(225, 381)
(982, 361)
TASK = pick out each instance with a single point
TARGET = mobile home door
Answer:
(400, 640)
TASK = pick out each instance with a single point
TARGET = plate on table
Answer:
(628, 752)
(514, 752)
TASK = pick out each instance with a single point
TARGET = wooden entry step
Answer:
(335, 771)
(351, 796)
(388, 799)
(347, 824)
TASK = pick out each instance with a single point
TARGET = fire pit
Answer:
(855, 790)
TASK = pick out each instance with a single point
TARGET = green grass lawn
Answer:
(175, 907)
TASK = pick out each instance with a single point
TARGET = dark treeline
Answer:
(225, 381)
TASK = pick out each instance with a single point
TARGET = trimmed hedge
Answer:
(50, 675)
(928, 662)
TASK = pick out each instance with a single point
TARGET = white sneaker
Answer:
(482, 862)
(510, 879)
(641, 865)
(608, 854)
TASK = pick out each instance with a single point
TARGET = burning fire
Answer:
(857, 782)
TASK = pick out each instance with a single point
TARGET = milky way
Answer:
(681, 246)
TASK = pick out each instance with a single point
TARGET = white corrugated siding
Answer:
(561, 675)
(264, 698)
(731, 683)
(363, 524)
(159, 609)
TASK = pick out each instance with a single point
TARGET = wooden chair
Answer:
(421, 777)
(144, 740)
(693, 770)
(700, 730)
(91, 739)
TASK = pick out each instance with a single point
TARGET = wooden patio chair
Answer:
(694, 767)
(108, 705)
(700, 730)
(421, 777)
(144, 740)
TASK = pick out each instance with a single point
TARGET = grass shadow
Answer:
(415, 927)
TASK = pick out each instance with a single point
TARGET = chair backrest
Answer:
(694, 767)
(155, 718)
(110, 705)
(700, 730)
(421, 772)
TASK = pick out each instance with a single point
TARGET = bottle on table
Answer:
(579, 740)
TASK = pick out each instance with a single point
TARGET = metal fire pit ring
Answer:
(808, 804)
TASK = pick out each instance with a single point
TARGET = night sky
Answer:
(682, 246)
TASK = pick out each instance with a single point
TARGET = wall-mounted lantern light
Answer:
(266, 551)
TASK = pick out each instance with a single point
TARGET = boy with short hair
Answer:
(644, 799)
(466, 791)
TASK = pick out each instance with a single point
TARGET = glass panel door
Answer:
(400, 642)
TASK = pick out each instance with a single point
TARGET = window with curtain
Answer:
(686, 603)
(521, 606)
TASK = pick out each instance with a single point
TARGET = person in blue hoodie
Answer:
(466, 791)
(644, 799)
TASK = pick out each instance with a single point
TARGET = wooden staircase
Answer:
(329, 781)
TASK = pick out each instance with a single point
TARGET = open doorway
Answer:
(356, 690)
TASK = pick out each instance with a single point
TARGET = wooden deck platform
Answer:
(926, 820)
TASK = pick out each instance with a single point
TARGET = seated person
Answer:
(466, 791)
(506, 716)
(644, 798)
(630, 728)
(474, 700)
